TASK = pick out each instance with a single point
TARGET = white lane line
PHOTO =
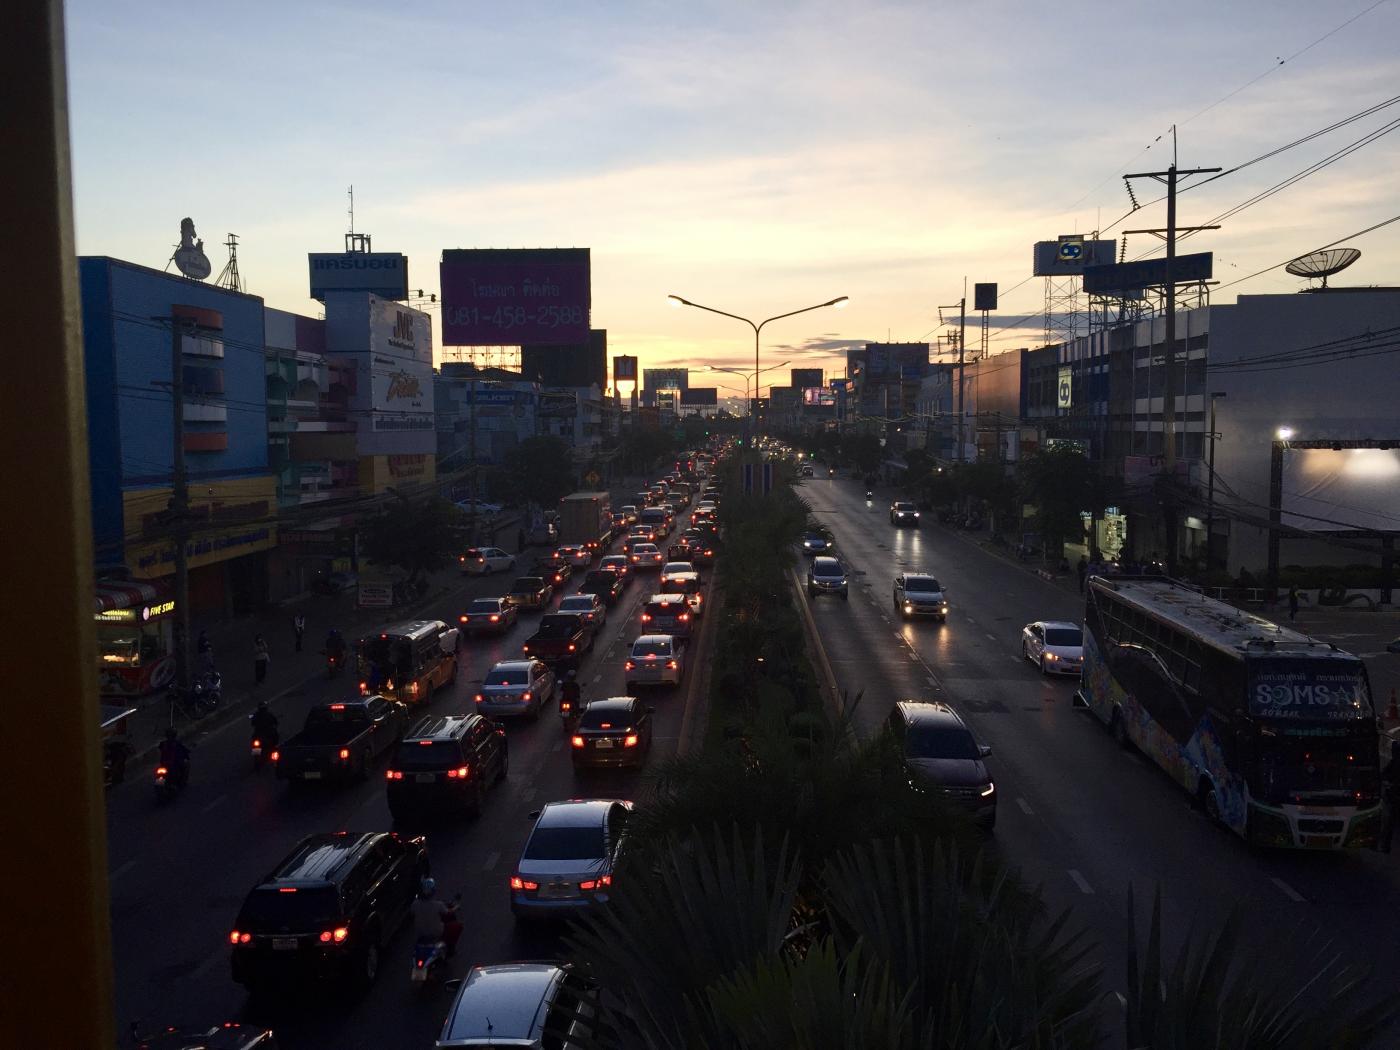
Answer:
(991, 635)
(219, 955)
(1025, 807)
(1122, 1000)
(558, 746)
(1081, 882)
(898, 637)
(1289, 892)
(215, 804)
(121, 870)
(491, 858)
(597, 678)
(929, 679)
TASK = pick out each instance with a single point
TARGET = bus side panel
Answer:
(1206, 755)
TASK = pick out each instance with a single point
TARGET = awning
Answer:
(129, 594)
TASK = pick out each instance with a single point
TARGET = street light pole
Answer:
(1210, 487)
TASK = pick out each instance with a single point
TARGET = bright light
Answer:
(1284, 433)
(841, 303)
(675, 300)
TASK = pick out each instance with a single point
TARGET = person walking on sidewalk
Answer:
(261, 656)
(1390, 797)
(1293, 603)
(299, 628)
(1083, 571)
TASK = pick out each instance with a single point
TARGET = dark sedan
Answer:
(488, 616)
(612, 732)
(608, 586)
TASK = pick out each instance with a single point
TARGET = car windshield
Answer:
(485, 605)
(299, 908)
(826, 567)
(508, 676)
(427, 754)
(565, 844)
(1070, 636)
(904, 506)
(921, 584)
(645, 649)
(593, 718)
(944, 741)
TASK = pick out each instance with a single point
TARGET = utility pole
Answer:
(471, 470)
(958, 406)
(1210, 489)
(1171, 178)
(179, 508)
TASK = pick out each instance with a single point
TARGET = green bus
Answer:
(1271, 731)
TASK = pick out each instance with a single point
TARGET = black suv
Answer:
(326, 912)
(446, 762)
(608, 586)
(942, 755)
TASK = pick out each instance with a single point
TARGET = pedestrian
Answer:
(1083, 571)
(261, 657)
(1293, 603)
(1390, 797)
(299, 628)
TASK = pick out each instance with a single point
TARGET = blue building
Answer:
(128, 317)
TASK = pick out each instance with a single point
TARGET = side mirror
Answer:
(984, 750)
(453, 983)
(534, 814)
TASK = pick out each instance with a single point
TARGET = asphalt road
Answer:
(180, 870)
(1076, 814)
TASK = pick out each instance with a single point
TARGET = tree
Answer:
(1059, 481)
(415, 536)
(539, 470)
(864, 450)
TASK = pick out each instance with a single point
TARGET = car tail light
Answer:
(344, 753)
(525, 648)
(525, 695)
(651, 656)
(337, 935)
(425, 743)
(257, 743)
(364, 687)
(576, 741)
(594, 884)
(629, 665)
(413, 688)
(460, 773)
(235, 937)
(286, 889)
(683, 616)
(572, 647)
(161, 771)
(337, 707)
(478, 698)
(672, 664)
(464, 619)
(630, 740)
(275, 756)
(646, 617)
(393, 774)
(517, 883)
(495, 617)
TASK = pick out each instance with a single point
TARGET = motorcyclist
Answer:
(264, 724)
(335, 648)
(435, 921)
(869, 495)
(570, 698)
(175, 757)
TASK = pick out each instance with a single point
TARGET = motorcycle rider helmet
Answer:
(262, 705)
(427, 888)
(170, 733)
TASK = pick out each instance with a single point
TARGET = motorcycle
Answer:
(209, 689)
(430, 957)
(334, 663)
(570, 711)
(261, 747)
(171, 780)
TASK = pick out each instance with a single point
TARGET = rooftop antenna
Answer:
(229, 277)
(355, 242)
(1323, 264)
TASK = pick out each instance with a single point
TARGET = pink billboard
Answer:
(515, 297)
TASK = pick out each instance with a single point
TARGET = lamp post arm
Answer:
(793, 313)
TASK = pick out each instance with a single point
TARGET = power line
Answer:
(1332, 244)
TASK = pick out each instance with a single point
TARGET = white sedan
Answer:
(1055, 646)
(482, 561)
(589, 606)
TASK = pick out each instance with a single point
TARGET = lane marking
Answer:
(991, 635)
(1081, 882)
(1025, 807)
(929, 679)
(1289, 892)
(898, 637)
(1122, 1000)
(491, 859)
(120, 871)
(215, 804)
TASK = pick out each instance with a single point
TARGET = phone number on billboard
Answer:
(508, 317)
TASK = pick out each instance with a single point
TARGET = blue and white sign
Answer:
(384, 274)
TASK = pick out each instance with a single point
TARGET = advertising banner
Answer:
(700, 395)
(1069, 255)
(818, 396)
(624, 369)
(515, 297)
(895, 360)
(1064, 391)
(401, 367)
(984, 296)
(1129, 276)
(382, 273)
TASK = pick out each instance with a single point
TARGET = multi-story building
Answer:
(482, 411)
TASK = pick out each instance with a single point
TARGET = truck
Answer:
(561, 639)
(585, 518)
(341, 740)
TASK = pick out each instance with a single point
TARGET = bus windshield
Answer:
(1307, 690)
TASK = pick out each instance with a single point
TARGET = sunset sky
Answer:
(756, 157)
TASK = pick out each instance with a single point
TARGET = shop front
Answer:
(135, 637)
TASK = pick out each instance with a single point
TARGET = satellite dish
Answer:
(1323, 264)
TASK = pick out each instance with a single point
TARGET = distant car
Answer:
(687, 584)
(941, 754)
(326, 912)
(555, 569)
(902, 513)
(530, 592)
(630, 512)
(488, 616)
(612, 732)
(918, 594)
(578, 556)
(480, 561)
(479, 507)
(619, 521)
(616, 563)
(608, 586)
(807, 472)
(446, 762)
(589, 606)
(1055, 646)
(647, 556)
(335, 583)
(655, 659)
(523, 1006)
(826, 576)
(676, 567)
(515, 687)
(815, 542)
(567, 864)
(681, 550)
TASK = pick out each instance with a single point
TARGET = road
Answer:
(180, 871)
(1076, 814)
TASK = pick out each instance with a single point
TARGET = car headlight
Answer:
(988, 789)
(1051, 657)
(908, 607)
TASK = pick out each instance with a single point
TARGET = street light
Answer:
(839, 302)
(746, 375)
(1285, 433)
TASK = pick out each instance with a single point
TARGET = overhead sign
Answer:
(1065, 389)
(624, 369)
(984, 296)
(700, 395)
(384, 274)
(1068, 255)
(1129, 276)
(515, 297)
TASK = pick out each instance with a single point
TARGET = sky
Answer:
(753, 157)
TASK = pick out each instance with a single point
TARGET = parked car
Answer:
(530, 592)
(446, 762)
(918, 594)
(478, 507)
(655, 659)
(587, 605)
(523, 1006)
(341, 740)
(481, 561)
(1055, 646)
(335, 582)
(612, 732)
(607, 586)
(327, 911)
(488, 616)
(567, 864)
(515, 687)
(826, 576)
(941, 754)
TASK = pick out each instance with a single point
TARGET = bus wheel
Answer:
(1210, 802)
(1119, 729)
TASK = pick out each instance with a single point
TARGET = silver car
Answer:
(1055, 646)
(916, 594)
(515, 687)
(514, 1004)
(655, 659)
(567, 864)
(589, 606)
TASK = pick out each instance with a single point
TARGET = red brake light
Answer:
(339, 934)
(235, 937)
(275, 756)
(344, 753)
(576, 741)
(462, 619)
(393, 774)
(628, 665)
(517, 883)
(425, 743)
(630, 740)
(287, 889)
(646, 617)
(257, 743)
(478, 698)
(525, 695)
(683, 616)
(671, 664)
(161, 771)
(495, 617)
(460, 773)
(572, 647)
(337, 707)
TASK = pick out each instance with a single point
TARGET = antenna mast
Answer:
(229, 277)
(355, 242)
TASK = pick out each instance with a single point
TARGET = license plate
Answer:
(558, 891)
(603, 743)
(284, 944)
(426, 778)
(1317, 841)
(311, 775)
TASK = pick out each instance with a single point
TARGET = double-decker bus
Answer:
(1271, 731)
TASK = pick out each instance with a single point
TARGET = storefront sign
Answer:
(375, 594)
(149, 612)
(117, 616)
(1065, 390)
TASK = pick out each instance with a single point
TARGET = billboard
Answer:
(805, 377)
(665, 378)
(1069, 255)
(384, 274)
(1064, 389)
(1341, 490)
(984, 296)
(895, 360)
(624, 369)
(568, 364)
(515, 297)
(700, 395)
(666, 400)
(401, 367)
(818, 397)
(1116, 277)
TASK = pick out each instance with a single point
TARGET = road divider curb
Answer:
(809, 624)
(693, 727)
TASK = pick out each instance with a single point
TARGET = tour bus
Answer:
(408, 661)
(1271, 731)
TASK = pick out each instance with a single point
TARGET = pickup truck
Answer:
(340, 741)
(561, 639)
